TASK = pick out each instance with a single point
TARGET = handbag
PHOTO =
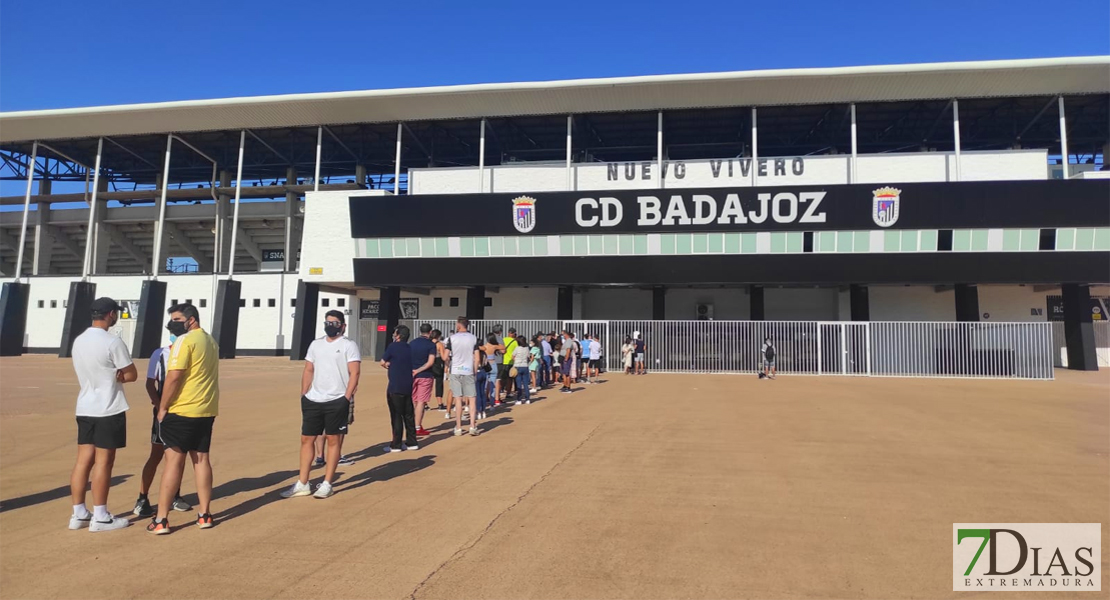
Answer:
(513, 372)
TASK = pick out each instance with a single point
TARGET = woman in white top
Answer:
(626, 355)
(521, 359)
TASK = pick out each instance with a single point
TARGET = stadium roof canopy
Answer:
(801, 111)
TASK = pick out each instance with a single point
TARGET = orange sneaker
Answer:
(158, 527)
(204, 520)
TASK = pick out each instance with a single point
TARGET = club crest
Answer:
(884, 208)
(524, 213)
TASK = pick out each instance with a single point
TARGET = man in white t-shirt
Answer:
(593, 367)
(463, 357)
(103, 365)
(328, 385)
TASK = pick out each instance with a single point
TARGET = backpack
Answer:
(769, 353)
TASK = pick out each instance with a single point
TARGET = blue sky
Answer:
(66, 53)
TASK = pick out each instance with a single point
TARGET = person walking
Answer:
(397, 360)
(102, 365)
(187, 412)
(329, 381)
(768, 352)
(155, 381)
(423, 359)
(463, 357)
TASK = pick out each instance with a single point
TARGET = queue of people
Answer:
(469, 377)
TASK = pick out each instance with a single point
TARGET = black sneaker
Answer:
(143, 507)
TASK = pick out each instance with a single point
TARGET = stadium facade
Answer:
(951, 192)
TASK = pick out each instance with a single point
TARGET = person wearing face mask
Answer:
(397, 360)
(102, 364)
(155, 380)
(328, 385)
(186, 413)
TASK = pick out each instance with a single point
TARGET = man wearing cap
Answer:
(103, 365)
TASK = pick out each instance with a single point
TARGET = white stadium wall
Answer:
(1006, 165)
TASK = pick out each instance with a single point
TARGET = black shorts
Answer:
(595, 362)
(109, 433)
(503, 372)
(325, 418)
(186, 433)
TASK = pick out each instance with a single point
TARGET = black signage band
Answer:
(988, 204)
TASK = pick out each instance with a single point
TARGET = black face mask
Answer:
(333, 330)
(176, 327)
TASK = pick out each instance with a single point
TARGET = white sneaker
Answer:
(447, 415)
(412, 447)
(389, 449)
(473, 431)
(482, 415)
(298, 489)
(458, 431)
(78, 523)
(532, 391)
(323, 491)
(527, 401)
(115, 523)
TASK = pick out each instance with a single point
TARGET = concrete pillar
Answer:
(151, 319)
(100, 237)
(304, 319)
(859, 301)
(756, 305)
(1079, 333)
(967, 302)
(360, 174)
(389, 313)
(222, 243)
(292, 201)
(564, 310)
(13, 317)
(225, 323)
(44, 242)
(476, 302)
(78, 315)
(659, 303)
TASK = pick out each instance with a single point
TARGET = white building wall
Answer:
(801, 304)
(616, 303)
(1009, 165)
(729, 304)
(524, 303)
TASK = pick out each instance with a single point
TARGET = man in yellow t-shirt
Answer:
(190, 403)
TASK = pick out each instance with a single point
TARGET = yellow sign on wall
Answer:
(316, 270)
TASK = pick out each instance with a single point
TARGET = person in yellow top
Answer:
(189, 406)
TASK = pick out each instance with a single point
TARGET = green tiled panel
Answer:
(1085, 239)
(1030, 240)
(1011, 240)
(844, 241)
(826, 241)
(496, 246)
(701, 243)
(961, 240)
(716, 242)
(1065, 238)
(481, 246)
(596, 243)
(525, 246)
(892, 241)
(641, 244)
(510, 246)
(929, 240)
(581, 245)
(541, 245)
(442, 249)
(466, 246)
(909, 240)
(400, 248)
(778, 241)
(860, 242)
(666, 243)
(626, 244)
(372, 248)
(978, 240)
(414, 247)
(610, 244)
(1102, 238)
(683, 243)
(795, 241)
(427, 247)
(566, 245)
(747, 243)
(732, 243)
(385, 248)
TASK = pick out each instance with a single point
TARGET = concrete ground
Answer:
(664, 486)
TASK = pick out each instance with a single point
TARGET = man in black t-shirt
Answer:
(640, 348)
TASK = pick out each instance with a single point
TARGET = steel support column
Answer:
(1064, 140)
(956, 135)
(26, 210)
